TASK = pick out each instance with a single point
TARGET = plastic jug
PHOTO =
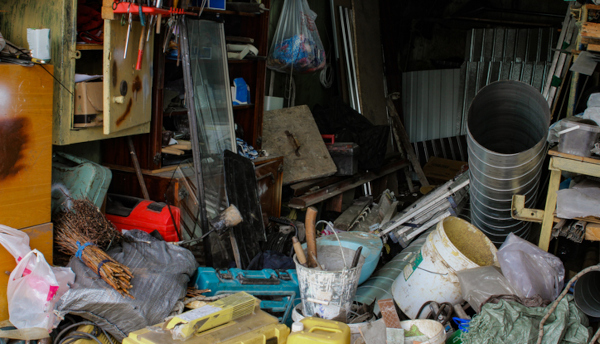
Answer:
(319, 331)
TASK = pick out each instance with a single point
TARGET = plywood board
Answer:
(311, 159)
(136, 105)
(25, 145)
(40, 237)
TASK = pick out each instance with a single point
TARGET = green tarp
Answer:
(510, 322)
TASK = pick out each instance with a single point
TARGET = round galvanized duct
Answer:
(587, 293)
(507, 125)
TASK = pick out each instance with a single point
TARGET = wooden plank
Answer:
(369, 60)
(592, 232)
(312, 159)
(590, 33)
(338, 188)
(335, 203)
(546, 231)
(40, 237)
(269, 177)
(555, 152)
(347, 218)
(403, 140)
(571, 165)
(25, 145)
(314, 184)
(136, 106)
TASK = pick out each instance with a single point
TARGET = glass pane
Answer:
(212, 100)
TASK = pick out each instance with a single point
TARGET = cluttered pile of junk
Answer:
(323, 235)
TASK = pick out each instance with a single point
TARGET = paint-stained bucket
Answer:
(430, 328)
(455, 245)
(328, 294)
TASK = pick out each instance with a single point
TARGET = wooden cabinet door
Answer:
(127, 91)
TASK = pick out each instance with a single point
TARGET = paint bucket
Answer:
(455, 245)
(431, 328)
(328, 293)
(587, 294)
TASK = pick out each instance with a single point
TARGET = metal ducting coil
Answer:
(507, 126)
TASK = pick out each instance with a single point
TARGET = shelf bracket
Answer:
(519, 212)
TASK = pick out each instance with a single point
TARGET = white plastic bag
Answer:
(16, 242)
(531, 270)
(33, 286)
(478, 284)
(296, 45)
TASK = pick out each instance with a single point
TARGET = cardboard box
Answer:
(441, 170)
(88, 104)
(40, 238)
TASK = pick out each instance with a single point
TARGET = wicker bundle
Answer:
(87, 219)
(83, 232)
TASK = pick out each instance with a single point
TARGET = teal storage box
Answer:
(77, 178)
(278, 290)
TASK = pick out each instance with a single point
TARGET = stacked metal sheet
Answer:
(507, 128)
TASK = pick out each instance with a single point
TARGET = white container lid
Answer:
(297, 326)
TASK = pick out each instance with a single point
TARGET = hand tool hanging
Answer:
(129, 21)
(138, 65)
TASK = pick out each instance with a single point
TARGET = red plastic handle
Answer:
(330, 137)
(138, 65)
(127, 7)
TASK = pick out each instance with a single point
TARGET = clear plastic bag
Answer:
(33, 286)
(296, 45)
(478, 284)
(531, 270)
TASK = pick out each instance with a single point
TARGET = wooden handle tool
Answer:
(311, 236)
(299, 251)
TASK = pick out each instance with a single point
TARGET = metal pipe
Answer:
(507, 125)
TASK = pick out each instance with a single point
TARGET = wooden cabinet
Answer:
(248, 118)
(126, 92)
(25, 144)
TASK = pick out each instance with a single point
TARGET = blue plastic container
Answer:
(371, 251)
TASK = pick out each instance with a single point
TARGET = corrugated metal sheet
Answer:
(431, 104)
(510, 45)
(435, 102)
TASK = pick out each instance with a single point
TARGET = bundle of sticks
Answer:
(88, 220)
(112, 272)
(80, 231)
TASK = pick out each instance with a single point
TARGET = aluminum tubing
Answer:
(507, 126)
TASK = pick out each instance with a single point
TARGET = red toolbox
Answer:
(127, 212)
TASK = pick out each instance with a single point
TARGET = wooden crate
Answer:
(40, 238)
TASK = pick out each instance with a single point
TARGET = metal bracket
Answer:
(519, 212)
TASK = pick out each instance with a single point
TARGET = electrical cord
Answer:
(80, 334)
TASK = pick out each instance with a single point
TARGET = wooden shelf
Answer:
(89, 46)
(243, 107)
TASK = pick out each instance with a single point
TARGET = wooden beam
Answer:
(403, 141)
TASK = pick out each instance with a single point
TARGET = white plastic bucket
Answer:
(431, 276)
(431, 328)
(328, 294)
